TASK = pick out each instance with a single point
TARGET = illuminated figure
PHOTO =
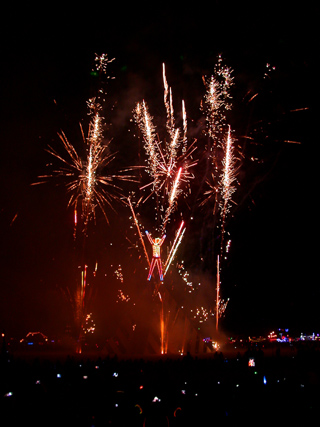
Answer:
(156, 260)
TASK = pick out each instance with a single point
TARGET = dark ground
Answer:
(187, 391)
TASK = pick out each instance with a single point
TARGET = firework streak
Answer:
(228, 178)
(174, 247)
(139, 231)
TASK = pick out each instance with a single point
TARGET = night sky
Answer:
(270, 275)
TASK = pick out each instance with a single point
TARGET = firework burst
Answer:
(169, 162)
(220, 148)
(217, 100)
(87, 176)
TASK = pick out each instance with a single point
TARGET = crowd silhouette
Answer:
(161, 391)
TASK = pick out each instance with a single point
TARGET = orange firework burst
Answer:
(85, 175)
(217, 101)
(169, 161)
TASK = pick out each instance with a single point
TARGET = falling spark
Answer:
(288, 141)
(185, 277)
(122, 297)
(89, 326)
(102, 62)
(13, 219)
(222, 306)
(119, 274)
